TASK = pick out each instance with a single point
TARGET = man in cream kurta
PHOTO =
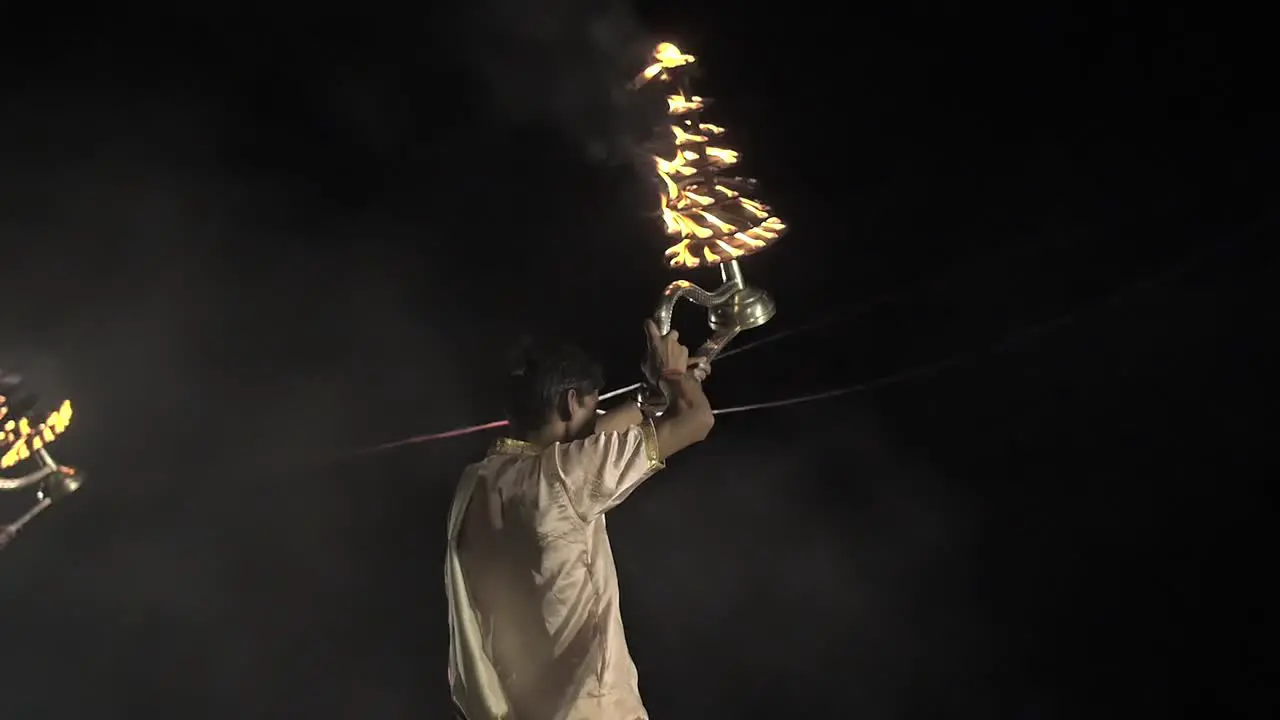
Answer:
(535, 624)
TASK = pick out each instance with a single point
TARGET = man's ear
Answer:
(568, 401)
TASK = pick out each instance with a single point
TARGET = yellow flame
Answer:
(728, 157)
(708, 219)
(753, 207)
(684, 138)
(698, 198)
(678, 104)
(675, 165)
(665, 56)
(22, 439)
(724, 226)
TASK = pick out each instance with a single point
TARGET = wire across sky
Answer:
(1002, 344)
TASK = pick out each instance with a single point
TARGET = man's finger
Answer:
(651, 329)
(701, 367)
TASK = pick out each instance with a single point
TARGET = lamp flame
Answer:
(710, 217)
(20, 438)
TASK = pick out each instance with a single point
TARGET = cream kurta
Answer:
(535, 629)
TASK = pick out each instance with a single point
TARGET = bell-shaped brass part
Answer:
(61, 483)
(54, 481)
(748, 308)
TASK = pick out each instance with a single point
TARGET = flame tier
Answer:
(19, 437)
(712, 218)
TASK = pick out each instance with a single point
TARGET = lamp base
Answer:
(748, 308)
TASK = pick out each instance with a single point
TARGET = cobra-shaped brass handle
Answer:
(732, 308)
(52, 481)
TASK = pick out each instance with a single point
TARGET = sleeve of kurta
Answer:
(599, 472)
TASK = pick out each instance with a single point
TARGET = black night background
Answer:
(249, 244)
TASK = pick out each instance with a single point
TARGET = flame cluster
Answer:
(710, 216)
(19, 438)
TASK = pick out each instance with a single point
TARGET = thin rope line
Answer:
(997, 347)
(436, 436)
(870, 385)
(1167, 274)
(909, 374)
(853, 311)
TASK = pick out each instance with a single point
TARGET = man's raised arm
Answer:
(600, 471)
(628, 413)
(688, 419)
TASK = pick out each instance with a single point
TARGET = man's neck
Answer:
(544, 437)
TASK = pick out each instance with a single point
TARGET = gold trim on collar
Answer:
(511, 446)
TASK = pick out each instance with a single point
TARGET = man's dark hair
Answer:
(542, 374)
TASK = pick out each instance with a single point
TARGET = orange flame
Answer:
(666, 56)
(710, 216)
(22, 439)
